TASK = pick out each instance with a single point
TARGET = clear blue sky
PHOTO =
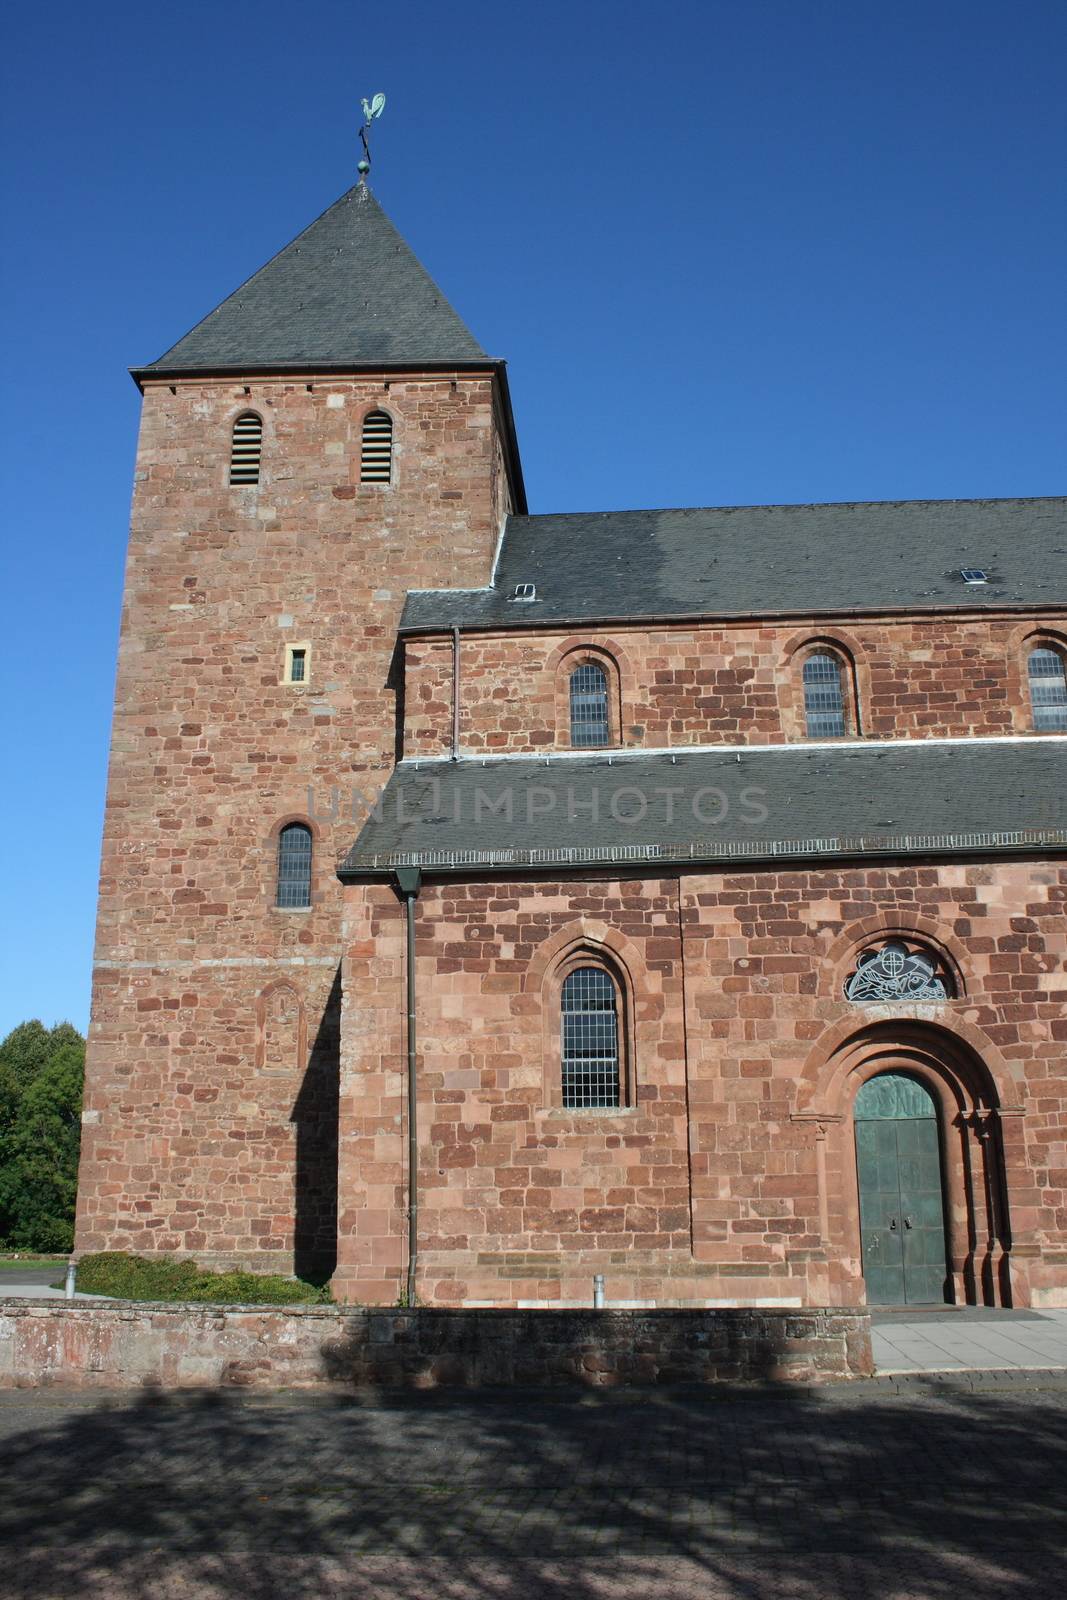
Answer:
(734, 251)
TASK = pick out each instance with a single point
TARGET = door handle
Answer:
(908, 1222)
(892, 1224)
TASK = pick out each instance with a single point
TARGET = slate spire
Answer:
(347, 292)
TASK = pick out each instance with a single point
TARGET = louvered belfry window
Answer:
(376, 458)
(590, 1039)
(246, 448)
(589, 707)
(294, 866)
(1048, 690)
(824, 703)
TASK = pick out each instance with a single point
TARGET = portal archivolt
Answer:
(971, 1121)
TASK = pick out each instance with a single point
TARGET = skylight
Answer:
(974, 575)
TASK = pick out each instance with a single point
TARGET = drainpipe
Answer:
(455, 694)
(408, 882)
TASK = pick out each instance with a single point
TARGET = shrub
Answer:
(129, 1277)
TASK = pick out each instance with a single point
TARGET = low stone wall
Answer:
(124, 1345)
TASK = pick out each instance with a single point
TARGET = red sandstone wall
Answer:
(84, 1346)
(713, 1185)
(692, 684)
(211, 1091)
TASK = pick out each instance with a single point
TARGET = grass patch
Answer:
(17, 1263)
(129, 1277)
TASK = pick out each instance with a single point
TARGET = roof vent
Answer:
(525, 592)
(973, 575)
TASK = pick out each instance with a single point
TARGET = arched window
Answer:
(246, 447)
(294, 866)
(1048, 690)
(589, 707)
(589, 1025)
(376, 458)
(824, 700)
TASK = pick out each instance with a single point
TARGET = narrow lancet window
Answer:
(590, 1039)
(589, 707)
(294, 867)
(376, 458)
(246, 448)
(824, 701)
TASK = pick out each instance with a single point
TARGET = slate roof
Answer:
(348, 291)
(785, 802)
(761, 560)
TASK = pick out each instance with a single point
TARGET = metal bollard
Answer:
(598, 1291)
(71, 1274)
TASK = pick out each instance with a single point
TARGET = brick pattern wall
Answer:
(105, 1347)
(211, 1095)
(709, 1188)
(682, 685)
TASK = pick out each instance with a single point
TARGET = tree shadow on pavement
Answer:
(747, 1493)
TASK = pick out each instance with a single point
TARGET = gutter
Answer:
(726, 857)
(408, 883)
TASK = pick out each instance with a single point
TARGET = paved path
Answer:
(851, 1490)
(968, 1338)
(14, 1277)
(36, 1291)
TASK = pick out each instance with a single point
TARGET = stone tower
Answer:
(256, 540)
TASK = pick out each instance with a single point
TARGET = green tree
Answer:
(41, 1075)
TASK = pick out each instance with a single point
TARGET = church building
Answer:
(493, 902)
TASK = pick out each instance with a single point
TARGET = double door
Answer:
(902, 1206)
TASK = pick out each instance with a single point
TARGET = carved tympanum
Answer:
(896, 973)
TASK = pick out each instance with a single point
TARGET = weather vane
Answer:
(371, 110)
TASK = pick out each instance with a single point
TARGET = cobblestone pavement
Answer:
(851, 1490)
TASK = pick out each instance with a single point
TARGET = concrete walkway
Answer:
(35, 1282)
(967, 1339)
(36, 1291)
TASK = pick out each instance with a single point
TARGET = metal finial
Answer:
(371, 110)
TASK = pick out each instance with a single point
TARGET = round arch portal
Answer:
(970, 1128)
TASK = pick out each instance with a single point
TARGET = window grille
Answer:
(824, 704)
(590, 1039)
(1048, 690)
(294, 866)
(376, 460)
(246, 448)
(589, 707)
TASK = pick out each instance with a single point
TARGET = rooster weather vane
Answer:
(371, 110)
